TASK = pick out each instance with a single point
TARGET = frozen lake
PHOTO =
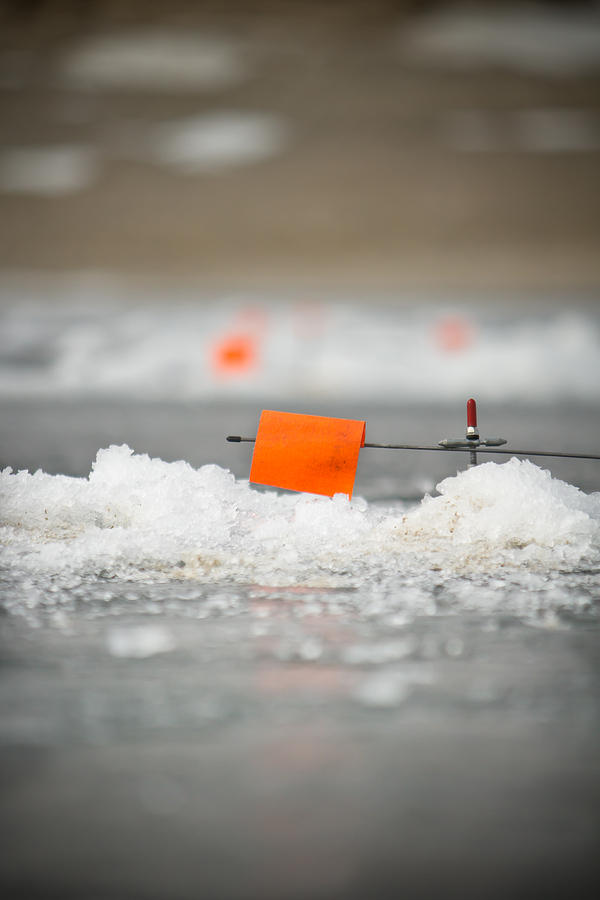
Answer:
(362, 210)
(213, 690)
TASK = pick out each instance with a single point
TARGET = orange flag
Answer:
(316, 454)
(235, 354)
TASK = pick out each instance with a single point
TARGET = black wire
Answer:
(480, 449)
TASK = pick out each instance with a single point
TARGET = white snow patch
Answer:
(154, 61)
(390, 687)
(525, 37)
(544, 130)
(510, 514)
(139, 642)
(50, 171)
(219, 141)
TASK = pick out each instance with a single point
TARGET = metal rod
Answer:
(482, 449)
(234, 438)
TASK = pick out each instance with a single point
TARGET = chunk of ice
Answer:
(140, 518)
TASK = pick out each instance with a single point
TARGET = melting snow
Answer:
(141, 518)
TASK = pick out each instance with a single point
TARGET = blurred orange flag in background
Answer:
(316, 454)
(234, 354)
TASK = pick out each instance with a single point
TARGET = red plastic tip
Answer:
(471, 414)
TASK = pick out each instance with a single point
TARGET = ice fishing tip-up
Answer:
(319, 454)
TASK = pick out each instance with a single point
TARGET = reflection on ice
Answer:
(540, 39)
(139, 642)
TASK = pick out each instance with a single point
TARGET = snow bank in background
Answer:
(538, 130)
(217, 141)
(138, 517)
(189, 350)
(527, 37)
(50, 171)
(153, 61)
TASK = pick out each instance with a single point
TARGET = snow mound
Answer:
(511, 514)
(140, 518)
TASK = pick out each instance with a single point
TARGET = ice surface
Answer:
(139, 518)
